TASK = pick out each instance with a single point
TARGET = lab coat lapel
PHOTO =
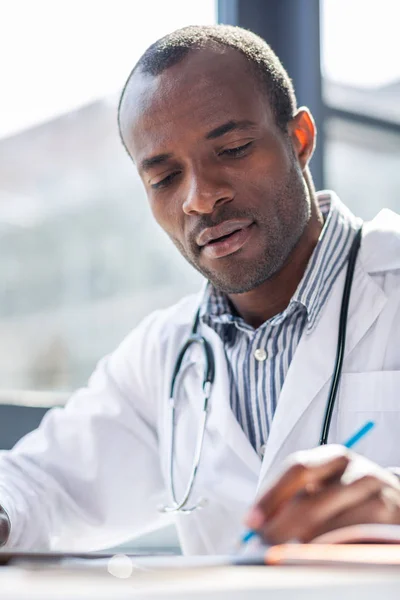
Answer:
(314, 359)
(221, 416)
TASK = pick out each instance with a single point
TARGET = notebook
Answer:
(335, 555)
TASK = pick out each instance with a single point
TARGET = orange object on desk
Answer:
(334, 554)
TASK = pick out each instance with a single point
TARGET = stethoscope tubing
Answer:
(341, 343)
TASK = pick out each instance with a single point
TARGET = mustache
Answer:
(212, 220)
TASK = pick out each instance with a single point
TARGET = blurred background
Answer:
(81, 259)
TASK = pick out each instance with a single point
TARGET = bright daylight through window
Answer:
(81, 258)
(361, 68)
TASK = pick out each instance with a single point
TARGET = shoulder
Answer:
(380, 248)
(164, 325)
(145, 355)
(179, 315)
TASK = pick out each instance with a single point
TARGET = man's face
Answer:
(222, 179)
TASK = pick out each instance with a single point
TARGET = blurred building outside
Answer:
(361, 158)
(81, 256)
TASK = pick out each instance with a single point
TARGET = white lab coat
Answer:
(94, 473)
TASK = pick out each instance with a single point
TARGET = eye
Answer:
(164, 182)
(236, 152)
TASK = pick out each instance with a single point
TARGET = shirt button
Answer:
(260, 354)
(262, 450)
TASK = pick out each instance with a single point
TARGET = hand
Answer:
(4, 527)
(324, 489)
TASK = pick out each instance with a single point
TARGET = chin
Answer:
(242, 278)
(234, 284)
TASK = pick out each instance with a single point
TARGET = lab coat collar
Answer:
(380, 249)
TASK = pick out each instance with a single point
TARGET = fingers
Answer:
(298, 478)
(306, 516)
(377, 509)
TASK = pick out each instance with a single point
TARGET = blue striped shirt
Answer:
(258, 359)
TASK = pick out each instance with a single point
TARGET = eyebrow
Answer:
(159, 159)
(154, 161)
(229, 126)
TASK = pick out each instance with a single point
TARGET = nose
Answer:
(205, 191)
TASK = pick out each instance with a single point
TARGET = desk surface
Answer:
(233, 583)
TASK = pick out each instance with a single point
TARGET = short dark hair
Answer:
(174, 47)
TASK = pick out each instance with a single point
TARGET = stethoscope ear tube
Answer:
(209, 363)
(341, 344)
(208, 380)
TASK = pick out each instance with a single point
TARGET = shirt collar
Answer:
(326, 262)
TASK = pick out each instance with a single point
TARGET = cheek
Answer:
(277, 167)
(268, 172)
(167, 214)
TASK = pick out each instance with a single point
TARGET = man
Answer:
(209, 118)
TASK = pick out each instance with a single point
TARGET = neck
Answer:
(274, 295)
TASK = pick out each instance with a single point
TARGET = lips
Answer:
(225, 239)
(213, 234)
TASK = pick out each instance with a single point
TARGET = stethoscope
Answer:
(208, 380)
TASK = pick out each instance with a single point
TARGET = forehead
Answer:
(204, 90)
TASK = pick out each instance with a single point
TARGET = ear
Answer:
(303, 134)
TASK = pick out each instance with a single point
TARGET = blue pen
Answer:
(359, 434)
(250, 533)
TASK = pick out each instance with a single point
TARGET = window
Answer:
(81, 259)
(360, 50)
(362, 93)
